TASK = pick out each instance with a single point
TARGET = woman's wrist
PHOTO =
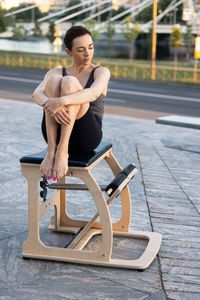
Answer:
(44, 99)
(40, 98)
(64, 101)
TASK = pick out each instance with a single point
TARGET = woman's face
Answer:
(82, 49)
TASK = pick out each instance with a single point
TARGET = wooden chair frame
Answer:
(33, 247)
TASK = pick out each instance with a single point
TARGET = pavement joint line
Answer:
(165, 251)
(154, 294)
(177, 181)
(170, 147)
(151, 223)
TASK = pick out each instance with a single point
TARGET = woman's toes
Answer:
(54, 175)
(49, 174)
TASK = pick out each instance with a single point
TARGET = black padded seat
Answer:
(75, 160)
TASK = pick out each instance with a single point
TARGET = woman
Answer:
(72, 99)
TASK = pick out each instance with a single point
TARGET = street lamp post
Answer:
(153, 57)
(196, 51)
(33, 15)
(187, 14)
(57, 43)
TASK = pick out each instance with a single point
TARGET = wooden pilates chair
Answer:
(80, 166)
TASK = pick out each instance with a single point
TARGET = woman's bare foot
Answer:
(60, 167)
(46, 166)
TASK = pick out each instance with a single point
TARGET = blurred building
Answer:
(197, 5)
(7, 4)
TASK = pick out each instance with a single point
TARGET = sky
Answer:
(10, 3)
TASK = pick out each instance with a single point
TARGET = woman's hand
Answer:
(52, 106)
(62, 116)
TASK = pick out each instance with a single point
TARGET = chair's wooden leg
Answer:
(72, 225)
(124, 222)
(32, 175)
(64, 222)
(104, 214)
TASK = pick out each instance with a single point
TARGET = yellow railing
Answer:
(129, 71)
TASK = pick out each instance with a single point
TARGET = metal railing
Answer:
(126, 71)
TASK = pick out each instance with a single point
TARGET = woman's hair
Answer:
(74, 32)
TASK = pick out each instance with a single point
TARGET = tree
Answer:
(51, 32)
(37, 30)
(11, 20)
(188, 40)
(114, 13)
(18, 32)
(146, 14)
(109, 32)
(26, 16)
(90, 25)
(149, 42)
(75, 10)
(131, 32)
(2, 21)
(175, 41)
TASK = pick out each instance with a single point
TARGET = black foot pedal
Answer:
(125, 175)
(44, 184)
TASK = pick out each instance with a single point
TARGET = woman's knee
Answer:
(53, 85)
(70, 84)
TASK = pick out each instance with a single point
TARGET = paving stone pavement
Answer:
(165, 198)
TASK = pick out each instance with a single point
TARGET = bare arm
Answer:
(53, 105)
(89, 94)
(62, 116)
(39, 95)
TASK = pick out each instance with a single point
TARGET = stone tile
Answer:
(181, 243)
(37, 277)
(186, 210)
(169, 233)
(181, 278)
(183, 255)
(183, 295)
(175, 219)
(180, 270)
(171, 286)
(180, 263)
(160, 295)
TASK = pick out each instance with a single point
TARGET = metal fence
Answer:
(129, 71)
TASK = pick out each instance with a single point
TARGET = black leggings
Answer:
(86, 133)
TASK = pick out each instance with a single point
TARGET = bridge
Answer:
(97, 9)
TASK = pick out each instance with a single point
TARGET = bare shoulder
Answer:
(54, 71)
(102, 71)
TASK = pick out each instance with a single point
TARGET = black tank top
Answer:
(97, 106)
